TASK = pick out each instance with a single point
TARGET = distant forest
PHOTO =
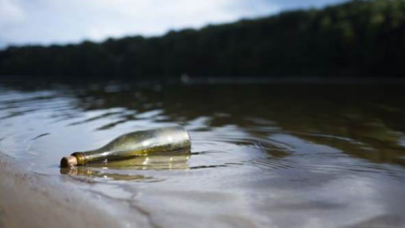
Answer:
(359, 38)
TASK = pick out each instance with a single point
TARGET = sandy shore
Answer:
(33, 200)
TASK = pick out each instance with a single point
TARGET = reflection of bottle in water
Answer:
(171, 161)
(140, 143)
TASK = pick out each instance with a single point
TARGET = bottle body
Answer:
(140, 143)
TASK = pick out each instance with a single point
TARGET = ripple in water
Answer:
(261, 156)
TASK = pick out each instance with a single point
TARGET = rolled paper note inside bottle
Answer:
(139, 143)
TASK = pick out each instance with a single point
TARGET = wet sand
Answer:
(33, 200)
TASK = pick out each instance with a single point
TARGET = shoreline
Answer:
(33, 200)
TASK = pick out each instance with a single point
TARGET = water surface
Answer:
(263, 155)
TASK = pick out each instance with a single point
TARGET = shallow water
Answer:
(263, 155)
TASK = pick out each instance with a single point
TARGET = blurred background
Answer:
(232, 38)
(295, 109)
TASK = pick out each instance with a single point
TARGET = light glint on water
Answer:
(262, 155)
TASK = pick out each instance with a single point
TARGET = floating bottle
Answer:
(169, 161)
(139, 143)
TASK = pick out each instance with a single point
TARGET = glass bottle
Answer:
(139, 143)
(168, 161)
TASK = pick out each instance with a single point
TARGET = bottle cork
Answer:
(68, 161)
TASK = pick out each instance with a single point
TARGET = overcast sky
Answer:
(70, 21)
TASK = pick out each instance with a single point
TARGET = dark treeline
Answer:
(357, 38)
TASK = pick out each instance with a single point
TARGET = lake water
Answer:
(263, 155)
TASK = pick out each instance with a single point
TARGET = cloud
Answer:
(61, 21)
(10, 13)
(294, 4)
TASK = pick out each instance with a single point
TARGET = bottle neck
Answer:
(81, 158)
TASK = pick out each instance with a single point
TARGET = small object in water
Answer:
(139, 143)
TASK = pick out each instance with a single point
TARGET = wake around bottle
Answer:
(139, 143)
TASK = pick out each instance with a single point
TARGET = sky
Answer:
(70, 21)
